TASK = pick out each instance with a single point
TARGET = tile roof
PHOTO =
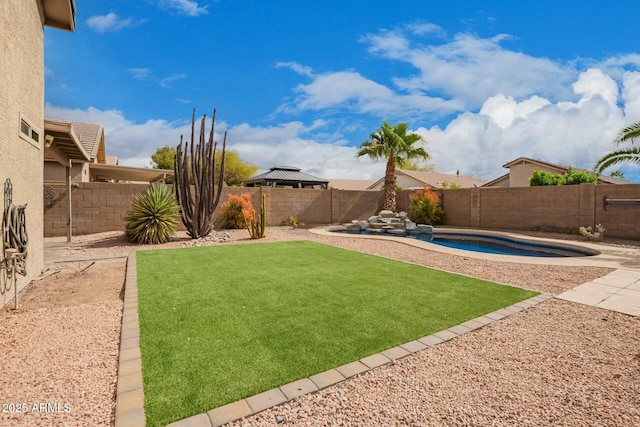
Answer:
(286, 174)
(437, 180)
(350, 184)
(90, 135)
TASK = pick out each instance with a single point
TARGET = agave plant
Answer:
(152, 217)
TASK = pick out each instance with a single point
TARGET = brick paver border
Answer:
(130, 394)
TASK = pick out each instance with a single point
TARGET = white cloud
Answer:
(571, 133)
(145, 74)
(140, 73)
(186, 7)
(471, 69)
(349, 90)
(109, 22)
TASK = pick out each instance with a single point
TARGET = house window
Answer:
(29, 132)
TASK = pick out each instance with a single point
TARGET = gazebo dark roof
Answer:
(288, 176)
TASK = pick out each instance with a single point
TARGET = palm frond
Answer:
(631, 155)
(630, 133)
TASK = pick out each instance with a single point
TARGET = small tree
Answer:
(164, 157)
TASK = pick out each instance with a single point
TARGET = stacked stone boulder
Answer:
(390, 223)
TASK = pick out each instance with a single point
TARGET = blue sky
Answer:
(304, 83)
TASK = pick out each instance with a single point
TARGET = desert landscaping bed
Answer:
(559, 361)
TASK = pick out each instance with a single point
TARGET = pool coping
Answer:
(609, 256)
(129, 410)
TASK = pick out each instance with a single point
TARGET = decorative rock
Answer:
(402, 215)
(397, 232)
(363, 225)
(424, 228)
(373, 218)
(386, 214)
(354, 229)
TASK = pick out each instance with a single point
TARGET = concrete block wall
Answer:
(101, 206)
(554, 208)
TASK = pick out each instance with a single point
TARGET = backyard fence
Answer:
(102, 206)
(98, 207)
(562, 208)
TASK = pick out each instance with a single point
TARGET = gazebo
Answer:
(286, 176)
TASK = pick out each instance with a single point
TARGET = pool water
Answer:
(501, 246)
(494, 244)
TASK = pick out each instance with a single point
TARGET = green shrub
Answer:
(233, 208)
(571, 177)
(152, 217)
(424, 207)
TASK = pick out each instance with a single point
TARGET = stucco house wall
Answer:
(22, 112)
(57, 173)
(519, 174)
(22, 95)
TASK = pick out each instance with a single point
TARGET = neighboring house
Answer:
(521, 169)
(351, 184)
(416, 180)
(90, 136)
(22, 138)
(95, 165)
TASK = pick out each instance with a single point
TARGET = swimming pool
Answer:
(492, 244)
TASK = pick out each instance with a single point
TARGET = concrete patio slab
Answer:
(615, 281)
(594, 286)
(619, 303)
(584, 297)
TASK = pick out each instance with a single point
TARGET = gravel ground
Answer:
(60, 349)
(557, 364)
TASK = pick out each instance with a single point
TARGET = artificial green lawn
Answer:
(222, 323)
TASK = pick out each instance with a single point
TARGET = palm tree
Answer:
(394, 144)
(631, 154)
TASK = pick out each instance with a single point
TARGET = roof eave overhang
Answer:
(129, 173)
(65, 141)
(60, 14)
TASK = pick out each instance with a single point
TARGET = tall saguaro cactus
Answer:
(195, 165)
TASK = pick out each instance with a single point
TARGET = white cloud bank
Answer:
(569, 132)
(307, 147)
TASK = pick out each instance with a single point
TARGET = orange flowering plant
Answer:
(236, 209)
(425, 208)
